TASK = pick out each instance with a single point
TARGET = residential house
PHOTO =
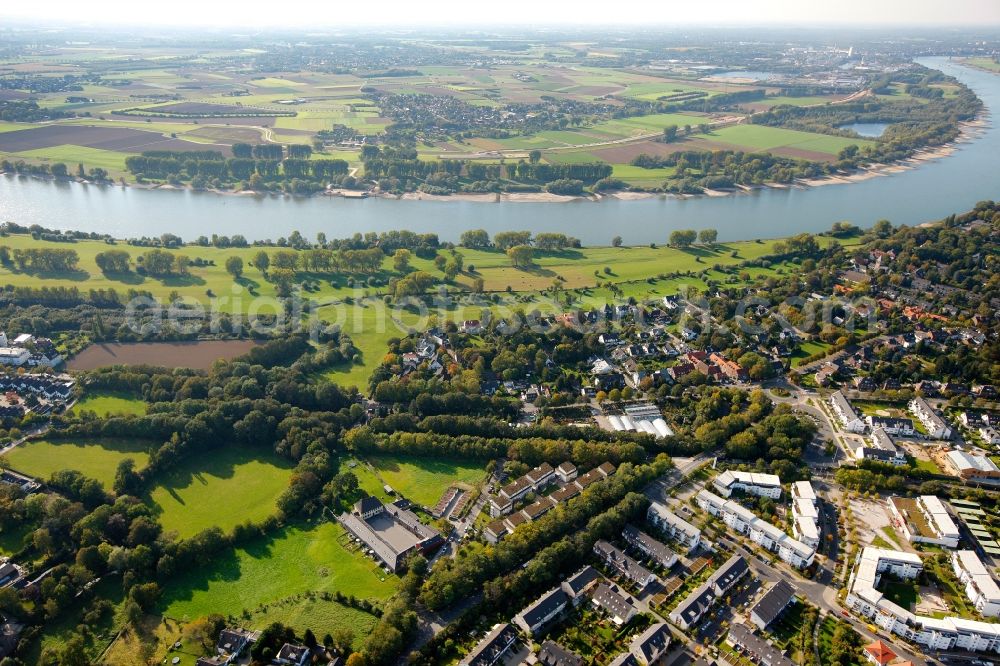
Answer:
(493, 648)
(849, 418)
(624, 565)
(577, 585)
(543, 610)
(616, 605)
(291, 654)
(655, 550)
(741, 520)
(675, 527)
(772, 604)
(935, 425)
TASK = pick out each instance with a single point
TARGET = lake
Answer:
(932, 191)
(868, 130)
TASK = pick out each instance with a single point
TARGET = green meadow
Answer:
(108, 403)
(291, 561)
(424, 480)
(219, 488)
(96, 458)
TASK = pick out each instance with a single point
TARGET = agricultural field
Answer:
(424, 481)
(107, 403)
(292, 561)
(96, 458)
(211, 107)
(780, 141)
(219, 488)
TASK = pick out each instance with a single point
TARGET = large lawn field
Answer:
(764, 138)
(424, 480)
(96, 458)
(220, 488)
(294, 560)
(109, 403)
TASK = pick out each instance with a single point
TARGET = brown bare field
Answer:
(197, 355)
(234, 134)
(122, 139)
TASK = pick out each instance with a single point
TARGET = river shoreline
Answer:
(967, 132)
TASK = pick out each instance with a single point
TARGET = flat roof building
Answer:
(945, 633)
(764, 485)
(925, 520)
(740, 519)
(391, 532)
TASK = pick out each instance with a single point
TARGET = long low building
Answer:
(974, 467)
(689, 611)
(925, 520)
(655, 550)
(740, 519)
(980, 587)
(946, 633)
(391, 532)
(764, 485)
(674, 526)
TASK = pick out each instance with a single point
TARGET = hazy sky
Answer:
(316, 13)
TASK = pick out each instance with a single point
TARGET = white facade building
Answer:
(947, 633)
(764, 485)
(936, 426)
(740, 519)
(980, 587)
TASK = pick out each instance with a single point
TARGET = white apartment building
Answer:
(936, 426)
(674, 526)
(764, 485)
(980, 587)
(849, 418)
(740, 519)
(947, 633)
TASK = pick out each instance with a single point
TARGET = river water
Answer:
(931, 191)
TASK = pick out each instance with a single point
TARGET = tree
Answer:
(127, 480)
(670, 133)
(475, 238)
(521, 255)
(234, 266)
(616, 241)
(261, 261)
(59, 170)
(113, 261)
(401, 259)
(708, 236)
(683, 237)
(535, 156)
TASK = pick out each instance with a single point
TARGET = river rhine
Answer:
(931, 191)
